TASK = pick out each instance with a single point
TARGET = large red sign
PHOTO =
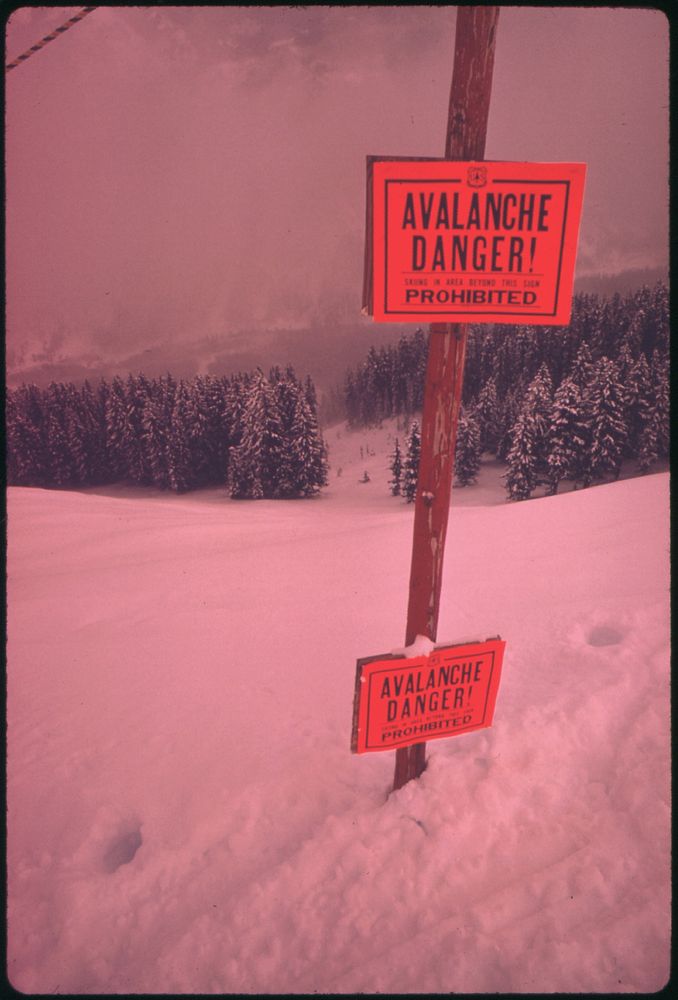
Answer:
(490, 242)
(399, 701)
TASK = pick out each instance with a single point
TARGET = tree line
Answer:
(554, 403)
(256, 435)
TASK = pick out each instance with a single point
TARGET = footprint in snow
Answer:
(604, 635)
(121, 850)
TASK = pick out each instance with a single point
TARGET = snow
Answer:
(184, 814)
(422, 646)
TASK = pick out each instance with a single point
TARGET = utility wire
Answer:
(49, 38)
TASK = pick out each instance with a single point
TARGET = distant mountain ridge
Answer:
(324, 351)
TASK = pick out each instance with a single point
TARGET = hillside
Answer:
(184, 812)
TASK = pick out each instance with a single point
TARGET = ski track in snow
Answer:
(184, 814)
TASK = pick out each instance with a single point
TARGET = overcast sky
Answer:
(184, 171)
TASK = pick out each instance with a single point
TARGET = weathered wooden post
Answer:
(454, 240)
(465, 140)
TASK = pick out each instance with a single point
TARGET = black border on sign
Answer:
(393, 659)
(368, 285)
(468, 311)
(408, 739)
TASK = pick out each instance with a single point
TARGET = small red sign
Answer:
(399, 701)
(488, 242)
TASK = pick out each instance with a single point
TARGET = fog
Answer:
(176, 173)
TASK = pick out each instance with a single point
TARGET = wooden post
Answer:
(465, 140)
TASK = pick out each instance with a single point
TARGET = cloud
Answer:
(178, 171)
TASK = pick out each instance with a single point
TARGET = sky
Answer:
(174, 173)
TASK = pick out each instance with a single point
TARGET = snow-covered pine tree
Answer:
(538, 408)
(467, 450)
(93, 422)
(76, 432)
(569, 435)
(659, 371)
(179, 468)
(509, 411)
(396, 467)
(137, 391)
(201, 437)
(155, 433)
(660, 321)
(307, 451)
(310, 393)
(12, 441)
(608, 427)
(486, 413)
(639, 401)
(411, 470)
(26, 438)
(625, 363)
(60, 460)
(647, 451)
(582, 369)
(118, 433)
(212, 401)
(287, 391)
(233, 413)
(649, 325)
(521, 476)
(255, 463)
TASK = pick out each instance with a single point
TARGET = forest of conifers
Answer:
(554, 403)
(259, 436)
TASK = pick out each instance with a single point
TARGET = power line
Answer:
(49, 38)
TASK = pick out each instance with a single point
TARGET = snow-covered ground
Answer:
(184, 814)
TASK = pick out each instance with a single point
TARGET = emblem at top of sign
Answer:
(476, 176)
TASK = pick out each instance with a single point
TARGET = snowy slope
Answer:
(184, 811)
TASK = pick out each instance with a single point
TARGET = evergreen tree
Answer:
(26, 438)
(638, 398)
(411, 471)
(467, 449)
(608, 427)
(396, 467)
(60, 460)
(155, 434)
(538, 407)
(659, 371)
(647, 451)
(212, 398)
(509, 411)
(569, 435)
(310, 393)
(93, 421)
(289, 394)
(118, 433)
(486, 414)
(233, 412)
(582, 369)
(76, 434)
(180, 473)
(255, 463)
(307, 451)
(137, 391)
(521, 476)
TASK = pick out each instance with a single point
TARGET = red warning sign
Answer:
(399, 701)
(486, 242)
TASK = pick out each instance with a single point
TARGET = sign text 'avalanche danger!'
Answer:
(491, 242)
(399, 701)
